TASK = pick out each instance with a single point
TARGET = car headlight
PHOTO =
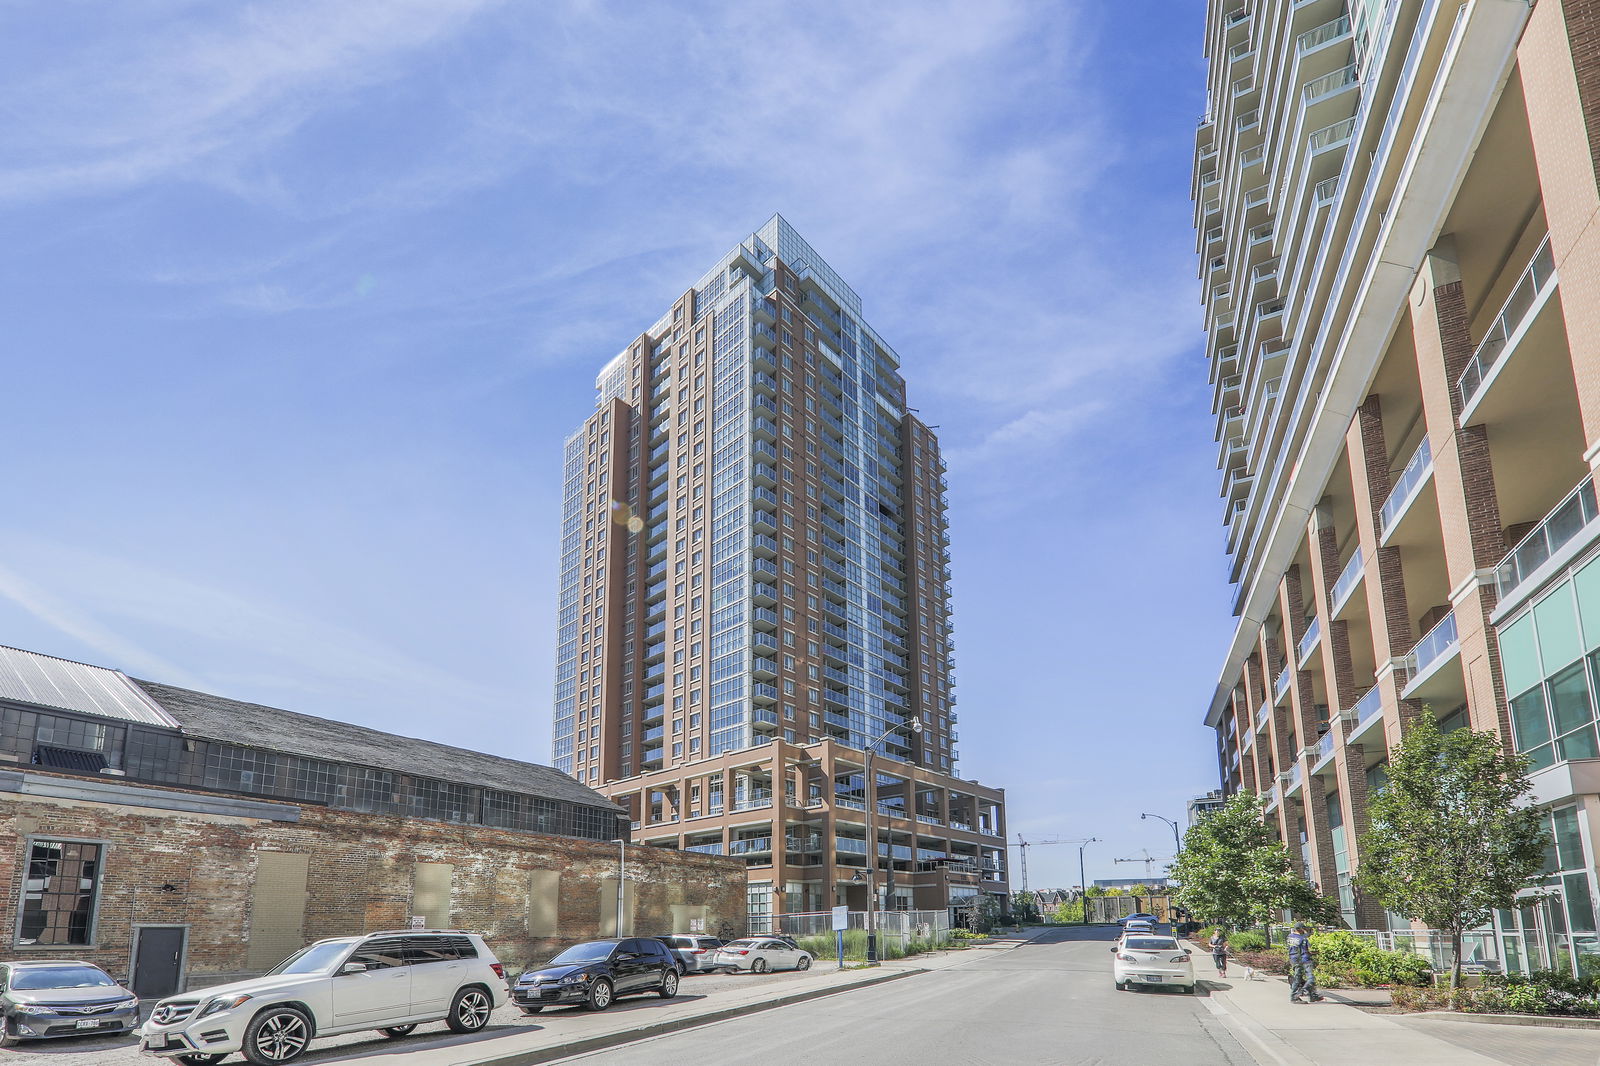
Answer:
(577, 979)
(217, 1006)
(33, 1008)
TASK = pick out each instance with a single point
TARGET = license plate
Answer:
(155, 1043)
(87, 1023)
(1154, 977)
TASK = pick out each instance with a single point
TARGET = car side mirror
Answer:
(1113, 951)
(353, 967)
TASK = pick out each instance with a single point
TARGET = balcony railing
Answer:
(1325, 745)
(1331, 83)
(1325, 190)
(1309, 640)
(749, 845)
(1418, 467)
(1331, 134)
(1348, 579)
(753, 803)
(1554, 531)
(1281, 684)
(1536, 277)
(1433, 645)
(704, 849)
(1328, 31)
(1370, 703)
(1263, 714)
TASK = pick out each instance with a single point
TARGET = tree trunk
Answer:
(1455, 963)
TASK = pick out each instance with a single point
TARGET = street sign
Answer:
(841, 918)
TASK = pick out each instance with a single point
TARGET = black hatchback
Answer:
(593, 974)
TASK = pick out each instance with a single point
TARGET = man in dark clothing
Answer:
(1302, 973)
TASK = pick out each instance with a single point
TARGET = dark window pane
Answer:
(1528, 720)
(1569, 700)
(58, 896)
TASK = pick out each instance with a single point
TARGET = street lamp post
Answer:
(1177, 845)
(871, 792)
(1083, 882)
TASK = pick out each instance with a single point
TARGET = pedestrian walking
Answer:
(1302, 966)
(1219, 950)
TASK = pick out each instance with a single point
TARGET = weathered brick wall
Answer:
(359, 879)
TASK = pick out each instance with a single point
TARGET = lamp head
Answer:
(916, 725)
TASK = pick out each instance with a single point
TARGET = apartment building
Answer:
(755, 643)
(1393, 202)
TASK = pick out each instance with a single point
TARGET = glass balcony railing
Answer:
(1263, 714)
(1418, 467)
(1325, 190)
(1370, 703)
(1296, 775)
(1348, 579)
(1309, 640)
(1539, 274)
(1328, 84)
(1325, 745)
(1554, 531)
(1433, 646)
(1328, 31)
(705, 849)
(1330, 135)
(749, 846)
(1281, 684)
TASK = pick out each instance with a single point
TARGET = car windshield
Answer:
(314, 958)
(1151, 943)
(60, 977)
(595, 952)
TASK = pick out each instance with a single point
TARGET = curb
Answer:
(1550, 1021)
(602, 1041)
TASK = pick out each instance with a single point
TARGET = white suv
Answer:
(390, 981)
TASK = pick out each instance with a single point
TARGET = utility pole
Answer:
(1177, 844)
(1023, 845)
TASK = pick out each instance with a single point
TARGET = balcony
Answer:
(1324, 34)
(1436, 648)
(750, 846)
(1280, 686)
(1308, 642)
(705, 849)
(1528, 297)
(1293, 779)
(1322, 754)
(1346, 583)
(1407, 487)
(1262, 715)
(759, 801)
(1560, 535)
(1331, 84)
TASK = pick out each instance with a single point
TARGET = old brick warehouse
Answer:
(179, 839)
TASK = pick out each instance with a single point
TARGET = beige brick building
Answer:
(1401, 277)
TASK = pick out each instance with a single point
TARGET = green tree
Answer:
(1447, 841)
(1233, 870)
(1025, 906)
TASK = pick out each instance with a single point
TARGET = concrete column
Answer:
(1469, 509)
(1559, 62)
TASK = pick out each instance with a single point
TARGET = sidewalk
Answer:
(1280, 1033)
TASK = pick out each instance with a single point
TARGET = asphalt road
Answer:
(1048, 1002)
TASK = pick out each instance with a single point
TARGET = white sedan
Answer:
(1143, 959)
(759, 955)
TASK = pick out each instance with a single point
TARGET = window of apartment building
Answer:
(59, 895)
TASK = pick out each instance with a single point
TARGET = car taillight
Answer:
(741, 951)
(499, 970)
(1126, 958)
(697, 951)
(1180, 958)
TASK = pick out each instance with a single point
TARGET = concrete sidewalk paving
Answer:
(1277, 1032)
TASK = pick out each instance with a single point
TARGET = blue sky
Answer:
(300, 299)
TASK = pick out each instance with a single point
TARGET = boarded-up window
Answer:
(430, 893)
(544, 894)
(277, 909)
(608, 908)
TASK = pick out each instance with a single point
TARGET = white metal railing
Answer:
(1325, 190)
(1348, 578)
(1433, 645)
(1554, 531)
(1536, 276)
(1416, 471)
(1309, 638)
(1251, 156)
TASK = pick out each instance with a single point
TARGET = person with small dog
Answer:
(1219, 950)
(1302, 966)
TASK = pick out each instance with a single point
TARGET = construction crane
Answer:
(1149, 861)
(1022, 847)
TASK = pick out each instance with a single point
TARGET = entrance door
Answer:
(157, 960)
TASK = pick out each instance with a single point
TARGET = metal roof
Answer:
(45, 681)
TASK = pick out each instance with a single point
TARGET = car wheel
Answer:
(804, 963)
(198, 1059)
(469, 1011)
(531, 1010)
(669, 984)
(599, 995)
(1122, 986)
(759, 966)
(276, 1035)
(395, 1031)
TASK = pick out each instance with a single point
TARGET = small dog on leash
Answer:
(1250, 974)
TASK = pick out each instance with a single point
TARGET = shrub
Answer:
(1359, 961)
(1266, 961)
(1247, 941)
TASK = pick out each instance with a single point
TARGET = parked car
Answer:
(1140, 917)
(759, 954)
(593, 974)
(62, 997)
(391, 982)
(1141, 959)
(1139, 925)
(695, 953)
